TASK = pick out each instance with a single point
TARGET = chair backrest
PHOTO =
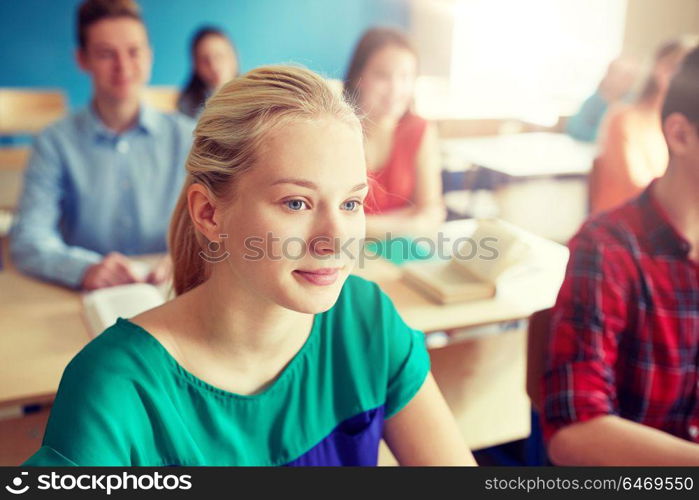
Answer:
(29, 111)
(13, 157)
(12, 162)
(163, 98)
(537, 345)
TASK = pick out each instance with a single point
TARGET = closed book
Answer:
(440, 281)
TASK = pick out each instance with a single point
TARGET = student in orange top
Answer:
(632, 148)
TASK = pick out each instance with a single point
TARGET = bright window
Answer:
(528, 59)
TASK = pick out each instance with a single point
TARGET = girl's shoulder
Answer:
(119, 353)
(413, 122)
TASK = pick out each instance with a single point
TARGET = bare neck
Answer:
(117, 116)
(236, 321)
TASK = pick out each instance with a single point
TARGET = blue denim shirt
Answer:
(89, 191)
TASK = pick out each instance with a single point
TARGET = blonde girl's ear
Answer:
(204, 211)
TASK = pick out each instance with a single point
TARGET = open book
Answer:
(102, 307)
(492, 254)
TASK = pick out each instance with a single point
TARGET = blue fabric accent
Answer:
(585, 124)
(354, 442)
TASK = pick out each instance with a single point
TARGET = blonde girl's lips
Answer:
(319, 277)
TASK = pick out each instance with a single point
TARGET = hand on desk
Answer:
(161, 271)
(114, 269)
(117, 269)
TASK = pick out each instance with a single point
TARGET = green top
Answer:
(124, 400)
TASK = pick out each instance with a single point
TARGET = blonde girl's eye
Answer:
(351, 205)
(296, 205)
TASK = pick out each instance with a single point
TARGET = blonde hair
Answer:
(227, 138)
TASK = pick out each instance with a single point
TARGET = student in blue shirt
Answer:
(101, 183)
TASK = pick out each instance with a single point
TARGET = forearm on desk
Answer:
(611, 440)
(36, 244)
(52, 260)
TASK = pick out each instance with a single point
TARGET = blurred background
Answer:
(534, 60)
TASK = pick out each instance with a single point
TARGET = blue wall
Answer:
(37, 37)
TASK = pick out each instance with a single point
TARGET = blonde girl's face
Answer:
(387, 83)
(296, 222)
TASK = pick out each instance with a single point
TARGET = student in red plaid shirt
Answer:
(622, 380)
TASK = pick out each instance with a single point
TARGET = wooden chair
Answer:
(537, 345)
(12, 162)
(29, 111)
(21, 436)
(22, 112)
(13, 157)
(163, 98)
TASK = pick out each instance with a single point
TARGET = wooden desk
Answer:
(537, 154)
(531, 292)
(41, 329)
(538, 180)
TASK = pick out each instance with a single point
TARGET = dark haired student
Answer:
(102, 182)
(214, 62)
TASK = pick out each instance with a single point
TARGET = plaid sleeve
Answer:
(588, 318)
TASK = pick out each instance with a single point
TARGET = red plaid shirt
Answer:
(625, 328)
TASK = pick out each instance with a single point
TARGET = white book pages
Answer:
(494, 249)
(102, 307)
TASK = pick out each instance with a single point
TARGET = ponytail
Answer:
(189, 269)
